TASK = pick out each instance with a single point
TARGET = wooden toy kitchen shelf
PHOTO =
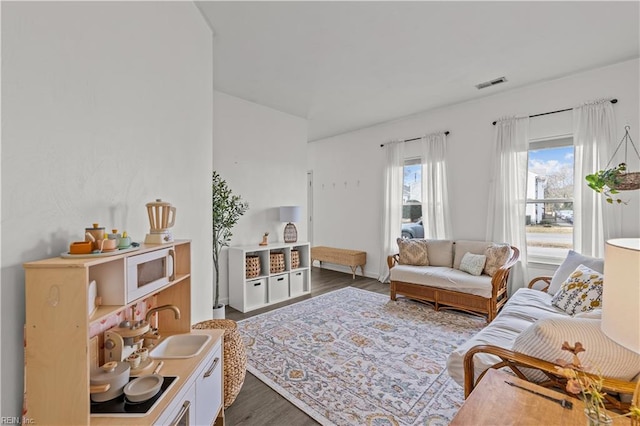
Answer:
(58, 322)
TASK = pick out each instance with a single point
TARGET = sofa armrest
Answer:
(546, 280)
(499, 279)
(515, 361)
(393, 260)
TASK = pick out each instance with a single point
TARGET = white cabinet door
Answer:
(209, 389)
(182, 410)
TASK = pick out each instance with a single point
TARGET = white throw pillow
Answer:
(543, 339)
(473, 263)
(581, 292)
(569, 265)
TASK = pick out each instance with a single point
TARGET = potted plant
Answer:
(227, 210)
(613, 180)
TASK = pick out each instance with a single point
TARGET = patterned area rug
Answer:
(354, 357)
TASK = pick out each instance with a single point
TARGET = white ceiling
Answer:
(349, 65)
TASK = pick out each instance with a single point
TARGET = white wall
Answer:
(106, 106)
(348, 169)
(261, 153)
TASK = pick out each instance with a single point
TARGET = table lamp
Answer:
(621, 296)
(290, 214)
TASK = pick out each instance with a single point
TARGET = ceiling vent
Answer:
(491, 83)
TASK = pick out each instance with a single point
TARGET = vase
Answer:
(597, 418)
(218, 312)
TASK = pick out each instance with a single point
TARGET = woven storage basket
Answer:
(235, 357)
(253, 266)
(277, 262)
(295, 259)
(628, 181)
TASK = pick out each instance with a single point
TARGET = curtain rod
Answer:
(613, 101)
(414, 139)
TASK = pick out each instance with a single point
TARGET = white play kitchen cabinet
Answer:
(60, 354)
(267, 285)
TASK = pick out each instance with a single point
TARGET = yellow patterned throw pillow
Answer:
(413, 252)
(581, 292)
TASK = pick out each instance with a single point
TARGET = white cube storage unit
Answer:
(247, 294)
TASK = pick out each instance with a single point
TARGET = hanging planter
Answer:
(627, 181)
(611, 181)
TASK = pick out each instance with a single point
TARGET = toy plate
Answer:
(103, 254)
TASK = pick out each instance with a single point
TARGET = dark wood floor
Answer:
(257, 404)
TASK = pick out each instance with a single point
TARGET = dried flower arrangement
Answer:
(589, 387)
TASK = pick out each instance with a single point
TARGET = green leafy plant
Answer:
(227, 210)
(605, 182)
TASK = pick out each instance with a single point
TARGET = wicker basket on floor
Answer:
(235, 356)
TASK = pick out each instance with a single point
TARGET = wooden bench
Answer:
(350, 258)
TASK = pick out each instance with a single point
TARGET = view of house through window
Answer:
(549, 211)
(412, 199)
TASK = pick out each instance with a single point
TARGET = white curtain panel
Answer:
(594, 222)
(435, 199)
(508, 192)
(392, 205)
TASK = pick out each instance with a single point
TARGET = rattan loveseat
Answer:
(443, 284)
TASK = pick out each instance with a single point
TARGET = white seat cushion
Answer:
(523, 308)
(443, 277)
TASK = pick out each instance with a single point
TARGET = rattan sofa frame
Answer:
(449, 299)
(515, 361)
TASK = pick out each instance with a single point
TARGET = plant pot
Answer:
(627, 182)
(218, 312)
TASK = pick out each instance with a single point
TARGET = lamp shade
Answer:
(621, 292)
(290, 213)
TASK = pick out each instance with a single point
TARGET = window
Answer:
(412, 199)
(549, 211)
